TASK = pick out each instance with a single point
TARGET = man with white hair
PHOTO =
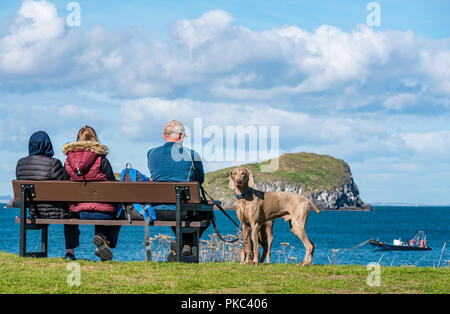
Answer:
(172, 162)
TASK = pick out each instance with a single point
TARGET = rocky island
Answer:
(326, 180)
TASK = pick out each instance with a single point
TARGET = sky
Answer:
(366, 83)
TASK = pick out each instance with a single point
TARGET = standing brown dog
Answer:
(255, 208)
(265, 238)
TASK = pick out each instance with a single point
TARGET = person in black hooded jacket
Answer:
(39, 165)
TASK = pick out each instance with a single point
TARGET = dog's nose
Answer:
(239, 181)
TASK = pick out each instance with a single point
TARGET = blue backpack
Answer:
(135, 211)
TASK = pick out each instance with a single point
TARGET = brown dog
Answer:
(255, 208)
(265, 238)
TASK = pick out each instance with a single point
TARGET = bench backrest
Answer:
(107, 191)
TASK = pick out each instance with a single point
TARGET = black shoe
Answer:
(187, 250)
(69, 257)
(172, 257)
(103, 251)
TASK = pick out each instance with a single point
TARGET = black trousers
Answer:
(111, 233)
(170, 215)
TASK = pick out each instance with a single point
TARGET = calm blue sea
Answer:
(331, 230)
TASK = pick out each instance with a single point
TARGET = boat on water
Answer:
(418, 243)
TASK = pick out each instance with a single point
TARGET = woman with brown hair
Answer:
(86, 161)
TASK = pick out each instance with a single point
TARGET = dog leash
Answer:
(223, 210)
(213, 220)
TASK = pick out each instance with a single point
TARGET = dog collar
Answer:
(242, 196)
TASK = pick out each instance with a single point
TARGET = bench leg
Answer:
(23, 217)
(178, 233)
(44, 240)
(148, 248)
(194, 258)
(24, 194)
(196, 247)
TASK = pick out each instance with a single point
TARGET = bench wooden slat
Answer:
(204, 206)
(107, 191)
(156, 223)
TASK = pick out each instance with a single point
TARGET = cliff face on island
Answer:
(326, 180)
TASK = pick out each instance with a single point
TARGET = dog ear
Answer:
(250, 182)
(231, 181)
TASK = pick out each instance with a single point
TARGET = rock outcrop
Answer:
(327, 181)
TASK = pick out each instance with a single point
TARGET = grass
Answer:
(48, 276)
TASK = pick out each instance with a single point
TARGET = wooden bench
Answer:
(185, 195)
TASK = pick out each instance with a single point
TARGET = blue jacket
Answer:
(172, 162)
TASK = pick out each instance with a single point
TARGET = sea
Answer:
(341, 237)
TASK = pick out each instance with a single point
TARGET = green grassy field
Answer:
(30, 275)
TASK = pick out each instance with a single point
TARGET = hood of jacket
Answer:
(91, 146)
(82, 155)
(40, 144)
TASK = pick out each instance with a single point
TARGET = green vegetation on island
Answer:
(309, 173)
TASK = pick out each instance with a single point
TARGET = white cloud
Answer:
(211, 59)
(208, 27)
(31, 37)
(333, 56)
(430, 143)
(21, 120)
(399, 101)
(144, 118)
(436, 65)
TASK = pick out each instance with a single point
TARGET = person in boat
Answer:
(172, 162)
(86, 161)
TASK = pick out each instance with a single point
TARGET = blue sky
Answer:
(426, 18)
(375, 96)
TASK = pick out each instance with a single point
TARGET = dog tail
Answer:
(313, 206)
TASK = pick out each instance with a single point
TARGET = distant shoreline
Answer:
(371, 207)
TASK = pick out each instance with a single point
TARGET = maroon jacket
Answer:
(83, 163)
